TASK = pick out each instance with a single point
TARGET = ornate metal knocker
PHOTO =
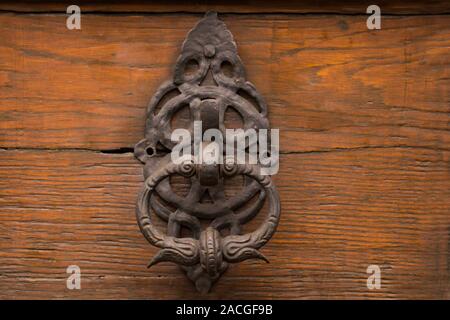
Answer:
(207, 251)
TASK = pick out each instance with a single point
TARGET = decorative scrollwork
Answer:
(206, 252)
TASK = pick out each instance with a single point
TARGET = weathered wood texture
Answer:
(342, 211)
(329, 82)
(364, 178)
(235, 6)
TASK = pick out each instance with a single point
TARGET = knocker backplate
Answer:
(204, 237)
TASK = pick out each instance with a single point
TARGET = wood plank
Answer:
(330, 83)
(242, 6)
(341, 211)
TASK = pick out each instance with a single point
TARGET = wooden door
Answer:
(364, 127)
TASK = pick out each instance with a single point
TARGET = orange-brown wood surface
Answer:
(364, 172)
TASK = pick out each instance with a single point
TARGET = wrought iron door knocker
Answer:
(207, 251)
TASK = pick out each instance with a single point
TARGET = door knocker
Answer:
(213, 235)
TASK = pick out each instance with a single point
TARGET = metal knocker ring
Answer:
(211, 250)
(207, 94)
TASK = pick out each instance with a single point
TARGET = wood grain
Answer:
(341, 211)
(235, 6)
(329, 82)
(365, 172)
